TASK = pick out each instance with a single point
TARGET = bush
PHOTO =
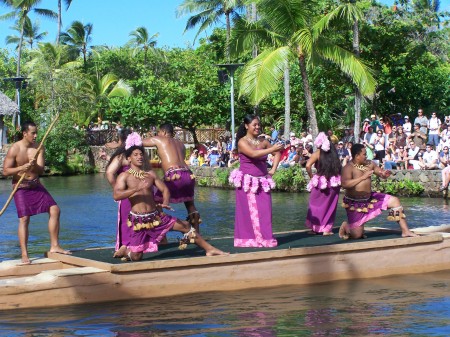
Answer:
(405, 187)
(290, 179)
(221, 176)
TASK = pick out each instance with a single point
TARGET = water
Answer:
(409, 305)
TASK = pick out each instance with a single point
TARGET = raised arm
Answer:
(112, 169)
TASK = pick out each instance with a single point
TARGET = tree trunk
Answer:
(308, 97)
(194, 136)
(227, 49)
(253, 18)
(59, 22)
(358, 96)
(287, 101)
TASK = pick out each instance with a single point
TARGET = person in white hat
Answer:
(294, 140)
(407, 126)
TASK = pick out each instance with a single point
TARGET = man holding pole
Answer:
(25, 162)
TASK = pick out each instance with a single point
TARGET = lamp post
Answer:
(231, 68)
(19, 85)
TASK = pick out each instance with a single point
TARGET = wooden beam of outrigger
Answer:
(35, 158)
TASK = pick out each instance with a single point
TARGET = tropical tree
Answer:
(67, 3)
(20, 10)
(31, 34)
(307, 44)
(78, 36)
(142, 40)
(209, 12)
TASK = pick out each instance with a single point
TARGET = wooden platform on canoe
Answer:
(92, 275)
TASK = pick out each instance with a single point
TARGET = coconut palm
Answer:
(209, 12)
(142, 40)
(67, 3)
(290, 21)
(78, 36)
(30, 34)
(20, 10)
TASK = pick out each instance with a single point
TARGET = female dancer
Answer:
(324, 186)
(253, 217)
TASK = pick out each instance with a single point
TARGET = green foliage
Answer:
(221, 176)
(405, 187)
(290, 179)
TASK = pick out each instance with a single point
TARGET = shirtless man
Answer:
(177, 175)
(360, 202)
(31, 197)
(149, 223)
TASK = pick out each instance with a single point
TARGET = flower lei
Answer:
(322, 141)
(250, 183)
(322, 182)
(133, 139)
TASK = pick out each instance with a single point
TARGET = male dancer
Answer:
(177, 175)
(149, 223)
(31, 197)
(360, 202)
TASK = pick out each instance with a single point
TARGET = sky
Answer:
(113, 20)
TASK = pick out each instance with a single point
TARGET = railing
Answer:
(101, 137)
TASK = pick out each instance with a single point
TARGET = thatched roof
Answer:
(7, 105)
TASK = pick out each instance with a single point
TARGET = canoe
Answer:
(92, 275)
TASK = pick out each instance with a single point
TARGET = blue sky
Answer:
(113, 20)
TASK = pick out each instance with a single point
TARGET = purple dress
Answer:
(253, 217)
(124, 233)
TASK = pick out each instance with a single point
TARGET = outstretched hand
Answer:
(277, 147)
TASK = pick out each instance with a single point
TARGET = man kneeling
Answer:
(149, 223)
(360, 202)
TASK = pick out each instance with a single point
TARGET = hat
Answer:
(292, 134)
(367, 120)
(373, 116)
(406, 117)
(341, 142)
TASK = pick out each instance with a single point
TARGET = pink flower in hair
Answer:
(133, 139)
(322, 142)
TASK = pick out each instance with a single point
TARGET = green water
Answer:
(409, 305)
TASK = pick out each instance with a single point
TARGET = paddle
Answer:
(35, 158)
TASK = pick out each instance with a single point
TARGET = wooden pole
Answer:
(35, 158)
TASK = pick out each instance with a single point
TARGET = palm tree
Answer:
(289, 21)
(20, 11)
(78, 36)
(208, 13)
(30, 33)
(142, 40)
(67, 3)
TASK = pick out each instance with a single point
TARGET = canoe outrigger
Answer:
(92, 275)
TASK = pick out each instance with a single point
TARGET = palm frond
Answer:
(347, 12)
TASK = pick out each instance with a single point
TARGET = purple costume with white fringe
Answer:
(148, 230)
(359, 211)
(32, 198)
(323, 202)
(181, 183)
(253, 215)
(123, 233)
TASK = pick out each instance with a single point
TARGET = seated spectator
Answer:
(294, 140)
(213, 157)
(400, 156)
(378, 143)
(202, 159)
(444, 158)
(390, 160)
(289, 160)
(193, 160)
(412, 160)
(430, 159)
(299, 158)
(418, 137)
(234, 158)
(445, 165)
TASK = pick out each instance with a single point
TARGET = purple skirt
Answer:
(359, 211)
(322, 208)
(32, 199)
(124, 233)
(181, 184)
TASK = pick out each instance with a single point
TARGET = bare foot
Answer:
(25, 259)
(343, 231)
(121, 252)
(327, 233)
(60, 250)
(215, 251)
(409, 234)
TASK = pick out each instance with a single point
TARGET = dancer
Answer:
(147, 220)
(324, 186)
(253, 217)
(178, 177)
(31, 197)
(360, 202)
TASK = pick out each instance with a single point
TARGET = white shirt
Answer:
(407, 128)
(433, 125)
(430, 157)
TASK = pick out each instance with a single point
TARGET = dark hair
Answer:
(168, 128)
(26, 126)
(241, 132)
(356, 149)
(130, 150)
(417, 124)
(329, 164)
(124, 133)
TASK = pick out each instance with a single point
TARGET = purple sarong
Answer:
(181, 184)
(253, 215)
(32, 198)
(148, 230)
(359, 211)
(322, 204)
